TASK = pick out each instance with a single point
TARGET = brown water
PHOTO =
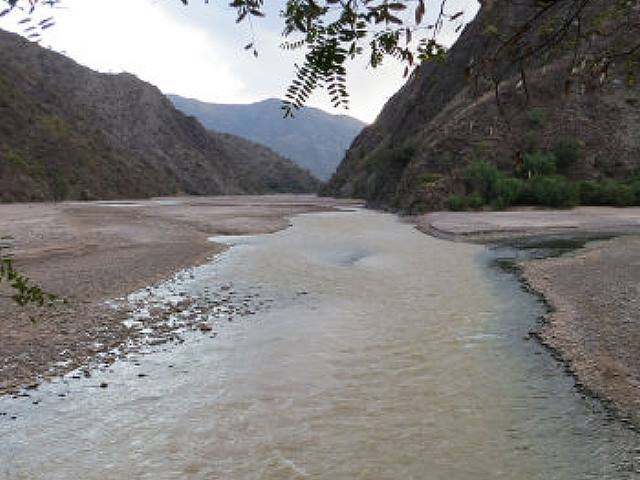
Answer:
(386, 354)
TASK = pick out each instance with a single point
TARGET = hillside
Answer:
(412, 158)
(67, 132)
(314, 139)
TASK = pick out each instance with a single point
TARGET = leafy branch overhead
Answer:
(31, 27)
(330, 33)
(333, 32)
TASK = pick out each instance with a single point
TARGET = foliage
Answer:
(537, 117)
(21, 160)
(457, 203)
(474, 202)
(609, 192)
(25, 293)
(32, 28)
(538, 163)
(635, 189)
(334, 32)
(480, 177)
(552, 191)
(506, 192)
(567, 151)
(589, 193)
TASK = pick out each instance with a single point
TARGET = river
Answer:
(384, 354)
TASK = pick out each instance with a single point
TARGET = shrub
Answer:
(567, 151)
(480, 177)
(538, 163)
(615, 193)
(553, 191)
(506, 192)
(635, 188)
(475, 202)
(609, 192)
(589, 193)
(457, 203)
(537, 117)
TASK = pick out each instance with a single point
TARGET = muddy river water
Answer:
(383, 354)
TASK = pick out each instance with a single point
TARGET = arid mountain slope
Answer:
(410, 158)
(314, 139)
(67, 132)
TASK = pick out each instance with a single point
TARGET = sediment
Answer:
(594, 320)
(91, 253)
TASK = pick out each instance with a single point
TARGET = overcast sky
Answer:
(196, 51)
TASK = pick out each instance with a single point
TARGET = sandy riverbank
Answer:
(593, 292)
(90, 252)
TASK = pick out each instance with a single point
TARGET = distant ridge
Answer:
(67, 132)
(314, 139)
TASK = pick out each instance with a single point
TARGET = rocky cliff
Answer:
(67, 132)
(411, 157)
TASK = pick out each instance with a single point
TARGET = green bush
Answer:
(457, 203)
(537, 117)
(635, 188)
(506, 192)
(567, 151)
(480, 177)
(538, 163)
(475, 202)
(589, 193)
(553, 191)
(609, 192)
(615, 193)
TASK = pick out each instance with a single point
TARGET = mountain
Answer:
(412, 158)
(67, 132)
(314, 139)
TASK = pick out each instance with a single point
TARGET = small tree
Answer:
(25, 293)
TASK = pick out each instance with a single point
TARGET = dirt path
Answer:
(90, 252)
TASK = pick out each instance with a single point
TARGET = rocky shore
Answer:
(90, 254)
(593, 292)
(594, 322)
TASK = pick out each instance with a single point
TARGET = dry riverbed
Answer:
(593, 292)
(90, 253)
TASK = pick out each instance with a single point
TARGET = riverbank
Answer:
(88, 253)
(593, 292)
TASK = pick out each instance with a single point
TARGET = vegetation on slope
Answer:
(445, 117)
(70, 133)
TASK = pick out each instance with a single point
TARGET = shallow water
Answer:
(385, 354)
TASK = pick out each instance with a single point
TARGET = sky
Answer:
(196, 51)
